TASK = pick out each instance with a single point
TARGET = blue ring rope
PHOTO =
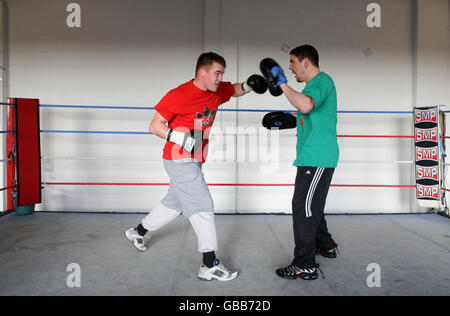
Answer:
(222, 110)
(152, 108)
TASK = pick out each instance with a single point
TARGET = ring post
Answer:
(25, 170)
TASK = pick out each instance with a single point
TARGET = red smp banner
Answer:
(427, 154)
(426, 134)
(429, 173)
(427, 191)
(428, 115)
(426, 137)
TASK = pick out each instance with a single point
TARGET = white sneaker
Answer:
(138, 240)
(218, 272)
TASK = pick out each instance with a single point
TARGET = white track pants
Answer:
(202, 222)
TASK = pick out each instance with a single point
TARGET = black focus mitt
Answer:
(279, 120)
(266, 66)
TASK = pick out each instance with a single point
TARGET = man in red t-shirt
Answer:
(184, 118)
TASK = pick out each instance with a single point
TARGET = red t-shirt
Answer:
(187, 107)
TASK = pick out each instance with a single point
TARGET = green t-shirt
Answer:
(316, 131)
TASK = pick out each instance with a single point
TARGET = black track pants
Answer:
(308, 204)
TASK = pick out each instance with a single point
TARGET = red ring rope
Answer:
(230, 184)
(8, 187)
(377, 136)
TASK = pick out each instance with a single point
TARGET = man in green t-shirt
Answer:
(317, 157)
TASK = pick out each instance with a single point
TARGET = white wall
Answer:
(132, 53)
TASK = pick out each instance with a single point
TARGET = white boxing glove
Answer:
(189, 141)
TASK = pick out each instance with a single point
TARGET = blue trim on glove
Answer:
(278, 73)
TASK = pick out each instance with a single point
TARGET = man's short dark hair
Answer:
(206, 59)
(306, 51)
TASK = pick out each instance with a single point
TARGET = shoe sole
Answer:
(307, 278)
(301, 276)
(206, 279)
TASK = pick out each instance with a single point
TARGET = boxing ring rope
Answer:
(230, 184)
(158, 160)
(8, 187)
(148, 133)
(381, 136)
(219, 110)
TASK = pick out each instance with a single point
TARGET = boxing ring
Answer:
(29, 188)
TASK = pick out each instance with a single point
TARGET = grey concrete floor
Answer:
(411, 251)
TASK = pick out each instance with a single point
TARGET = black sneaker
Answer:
(292, 272)
(331, 253)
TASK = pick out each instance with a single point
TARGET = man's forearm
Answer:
(301, 102)
(159, 129)
(238, 92)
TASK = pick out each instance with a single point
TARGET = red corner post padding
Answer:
(28, 152)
